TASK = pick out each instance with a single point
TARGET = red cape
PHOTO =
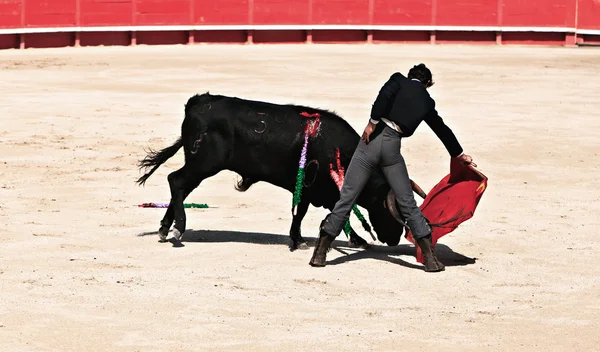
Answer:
(452, 201)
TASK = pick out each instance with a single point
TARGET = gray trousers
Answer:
(382, 151)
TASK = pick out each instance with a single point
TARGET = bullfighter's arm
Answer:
(444, 133)
(383, 102)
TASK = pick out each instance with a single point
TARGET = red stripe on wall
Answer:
(278, 37)
(280, 12)
(340, 11)
(400, 36)
(588, 14)
(465, 37)
(533, 38)
(50, 13)
(9, 41)
(161, 37)
(466, 13)
(162, 12)
(338, 36)
(10, 13)
(583, 14)
(234, 37)
(106, 12)
(104, 38)
(49, 40)
(591, 39)
(225, 12)
(406, 12)
(539, 13)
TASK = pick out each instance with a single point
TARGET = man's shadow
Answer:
(376, 251)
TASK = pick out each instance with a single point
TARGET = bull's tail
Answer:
(155, 159)
(244, 184)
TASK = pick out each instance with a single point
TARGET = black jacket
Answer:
(407, 103)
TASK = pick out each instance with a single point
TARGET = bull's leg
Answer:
(206, 160)
(296, 240)
(182, 182)
(356, 241)
(167, 221)
(177, 180)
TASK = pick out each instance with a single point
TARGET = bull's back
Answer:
(266, 139)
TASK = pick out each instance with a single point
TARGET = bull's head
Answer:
(388, 222)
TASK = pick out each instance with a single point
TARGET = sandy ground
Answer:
(76, 276)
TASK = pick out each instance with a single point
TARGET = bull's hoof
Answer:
(177, 234)
(301, 245)
(297, 242)
(364, 245)
(358, 242)
(163, 232)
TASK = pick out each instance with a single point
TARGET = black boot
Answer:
(321, 248)
(432, 264)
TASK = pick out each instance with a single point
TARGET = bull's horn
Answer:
(391, 205)
(418, 190)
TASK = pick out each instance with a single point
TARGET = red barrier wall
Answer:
(588, 14)
(437, 21)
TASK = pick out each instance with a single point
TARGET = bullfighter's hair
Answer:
(420, 72)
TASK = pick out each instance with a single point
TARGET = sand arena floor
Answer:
(75, 275)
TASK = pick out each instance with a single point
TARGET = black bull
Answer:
(262, 141)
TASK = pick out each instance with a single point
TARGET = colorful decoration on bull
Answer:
(166, 205)
(310, 131)
(337, 176)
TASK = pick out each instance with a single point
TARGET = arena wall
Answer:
(57, 23)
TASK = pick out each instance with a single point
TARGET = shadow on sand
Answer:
(380, 252)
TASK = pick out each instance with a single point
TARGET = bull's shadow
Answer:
(380, 252)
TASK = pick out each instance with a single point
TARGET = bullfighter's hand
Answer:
(467, 160)
(368, 130)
